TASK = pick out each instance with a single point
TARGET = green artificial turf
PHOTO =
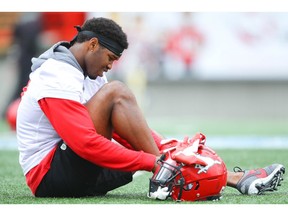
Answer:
(13, 189)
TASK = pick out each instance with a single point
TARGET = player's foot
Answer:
(256, 182)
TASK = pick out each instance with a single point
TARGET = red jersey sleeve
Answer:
(72, 122)
(157, 138)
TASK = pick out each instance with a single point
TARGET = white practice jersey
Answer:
(54, 79)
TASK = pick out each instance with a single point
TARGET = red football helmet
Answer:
(191, 171)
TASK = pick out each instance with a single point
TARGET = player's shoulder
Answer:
(56, 65)
(56, 69)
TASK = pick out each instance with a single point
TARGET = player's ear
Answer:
(93, 43)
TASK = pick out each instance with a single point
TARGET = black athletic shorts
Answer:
(73, 176)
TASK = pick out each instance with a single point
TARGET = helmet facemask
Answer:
(165, 175)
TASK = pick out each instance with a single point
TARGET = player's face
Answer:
(99, 61)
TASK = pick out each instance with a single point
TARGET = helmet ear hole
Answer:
(188, 187)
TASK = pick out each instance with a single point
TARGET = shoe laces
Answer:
(237, 169)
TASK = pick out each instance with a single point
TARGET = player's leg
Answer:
(72, 176)
(233, 178)
(114, 107)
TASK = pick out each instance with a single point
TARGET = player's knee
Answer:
(120, 92)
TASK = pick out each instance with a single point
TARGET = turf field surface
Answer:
(13, 189)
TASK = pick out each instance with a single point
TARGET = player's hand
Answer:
(156, 164)
(160, 194)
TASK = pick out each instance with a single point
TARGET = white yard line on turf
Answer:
(8, 141)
